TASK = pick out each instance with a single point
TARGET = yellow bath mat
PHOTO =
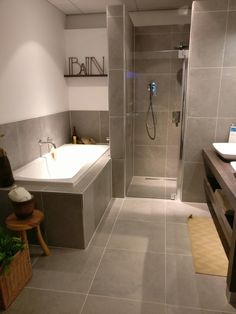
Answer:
(208, 253)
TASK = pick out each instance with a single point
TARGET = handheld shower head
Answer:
(152, 88)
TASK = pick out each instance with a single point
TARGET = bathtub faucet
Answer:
(48, 141)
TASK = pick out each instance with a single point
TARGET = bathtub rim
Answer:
(67, 182)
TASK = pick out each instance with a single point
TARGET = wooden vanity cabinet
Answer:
(220, 175)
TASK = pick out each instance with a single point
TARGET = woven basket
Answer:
(11, 283)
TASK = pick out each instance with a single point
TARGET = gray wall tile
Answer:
(56, 126)
(210, 5)
(200, 134)
(118, 177)
(117, 132)
(222, 130)
(30, 133)
(207, 48)
(64, 219)
(161, 101)
(152, 42)
(172, 161)
(230, 47)
(160, 29)
(21, 138)
(129, 92)
(147, 62)
(116, 93)
(86, 123)
(203, 92)
(115, 10)
(232, 4)
(180, 28)
(192, 188)
(95, 200)
(115, 42)
(141, 137)
(149, 161)
(173, 136)
(207, 33)
(104, 126)
(175, 91)
(227, 107)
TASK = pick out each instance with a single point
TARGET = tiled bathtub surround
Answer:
(21, 138)
(158, 158)
(72, 213)
(211, 88)
(120, 50)
(93, 124)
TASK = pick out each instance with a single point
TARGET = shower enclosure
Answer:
(160, 58)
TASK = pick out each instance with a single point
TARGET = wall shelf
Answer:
(91, 75)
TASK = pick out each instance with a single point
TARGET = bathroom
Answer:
(151, 185)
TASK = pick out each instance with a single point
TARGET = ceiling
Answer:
(99, 6)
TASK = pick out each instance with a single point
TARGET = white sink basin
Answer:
(226, 150)
(233, 164)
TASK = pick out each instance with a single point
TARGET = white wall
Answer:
(31, 60)
(87, 93)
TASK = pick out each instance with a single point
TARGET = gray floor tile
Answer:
(104, 305)
(131, 275)
(103, 232)
(179, 212)
(140, 236)
(182, 310)
(143, 209)
(177, 239)
(67, 270)
(211, 291)
(114, 208)
(181, 286)
(32, 301)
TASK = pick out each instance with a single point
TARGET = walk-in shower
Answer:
(160, 68)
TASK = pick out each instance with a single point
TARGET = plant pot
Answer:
(16, 277)
(25, 209)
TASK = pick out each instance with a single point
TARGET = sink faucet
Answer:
(48, 141)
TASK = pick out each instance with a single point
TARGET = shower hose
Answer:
(153, 120)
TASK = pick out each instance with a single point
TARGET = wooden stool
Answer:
(22, 225)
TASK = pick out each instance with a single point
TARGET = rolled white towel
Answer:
(19, 194)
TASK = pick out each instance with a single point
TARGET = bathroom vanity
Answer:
(220, 175)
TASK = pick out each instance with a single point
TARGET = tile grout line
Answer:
(103, 253)
(55, 291)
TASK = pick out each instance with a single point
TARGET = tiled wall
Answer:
(93, 124)
(120, 38)
(21, 138)
(159, 157)
(211, 91)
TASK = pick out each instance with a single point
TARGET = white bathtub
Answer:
(70, 165)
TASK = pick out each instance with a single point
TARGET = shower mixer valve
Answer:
(176, 117)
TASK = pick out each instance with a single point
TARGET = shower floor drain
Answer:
(160, 179)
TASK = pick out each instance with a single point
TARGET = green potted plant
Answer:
(15, 267)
